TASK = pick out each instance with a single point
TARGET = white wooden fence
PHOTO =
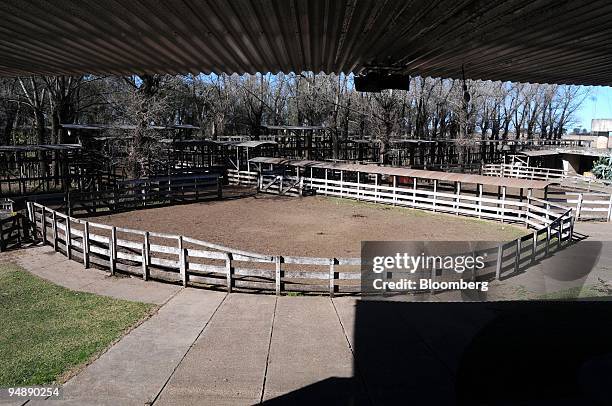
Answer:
(7, 205)
(244, 178)
(535, 173)
(503, 209)
(595, 205)
(190, 261)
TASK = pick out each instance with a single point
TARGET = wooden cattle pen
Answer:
(28, 169)
(178, 258)
(149, 192)
(461, 194)
(13, 226)
(191, 261)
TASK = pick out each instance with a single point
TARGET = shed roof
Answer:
(40, 147)
(254, 144)
(100, 127)
(496, 40)
(295, 127)
(540, 152)
(415, 173)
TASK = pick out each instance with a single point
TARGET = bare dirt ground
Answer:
(308, 226)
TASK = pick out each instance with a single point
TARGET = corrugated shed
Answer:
(551, 41)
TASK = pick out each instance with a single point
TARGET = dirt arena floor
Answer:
(308, 226)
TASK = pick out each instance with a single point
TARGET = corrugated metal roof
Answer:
(40, 147)
(254, 144)
(527, 41)
(70, 126)
(295, 127)
(414, 173)
(541, 152)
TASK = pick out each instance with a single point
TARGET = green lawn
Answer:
(47, 330)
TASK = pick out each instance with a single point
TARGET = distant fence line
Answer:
(587, 205)
(532, 212)
(536, 173)
(133, 194)
(14, 229)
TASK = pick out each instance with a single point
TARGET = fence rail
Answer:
(535, 173)
(244, 178)
(147, 192)
(481, 206)
(7, 205)
(596, 205)
(13, 231)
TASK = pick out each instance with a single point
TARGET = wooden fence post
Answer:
(32, 219)
(112, 247)
(68, 240)
(86, 245)
(332, 277)
(433, 279)
(145, 269)
(228, 271)
(54, 230)
(457, 199)
(579, 206)
(277, 261)
(435, 192)
(43, 224)
(480, 200)
(517, 260)
(528, 208)
(1, 236)
(559, 233)
(571, 236)
(503, 205)
(146, 256)
(183, 266)
(547, 239)
(534, 245)
(498, 264)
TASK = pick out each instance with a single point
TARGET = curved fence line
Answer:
(536, 173)
(182, 259)
(594, 204)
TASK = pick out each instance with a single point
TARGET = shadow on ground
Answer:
(469, 354)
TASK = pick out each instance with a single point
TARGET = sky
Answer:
(597, 105)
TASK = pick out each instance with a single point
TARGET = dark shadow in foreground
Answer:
(470, 354)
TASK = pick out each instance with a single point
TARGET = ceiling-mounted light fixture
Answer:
(377, 81)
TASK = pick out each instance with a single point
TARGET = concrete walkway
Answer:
(212, 348)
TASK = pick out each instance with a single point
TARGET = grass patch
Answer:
(47, 330)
